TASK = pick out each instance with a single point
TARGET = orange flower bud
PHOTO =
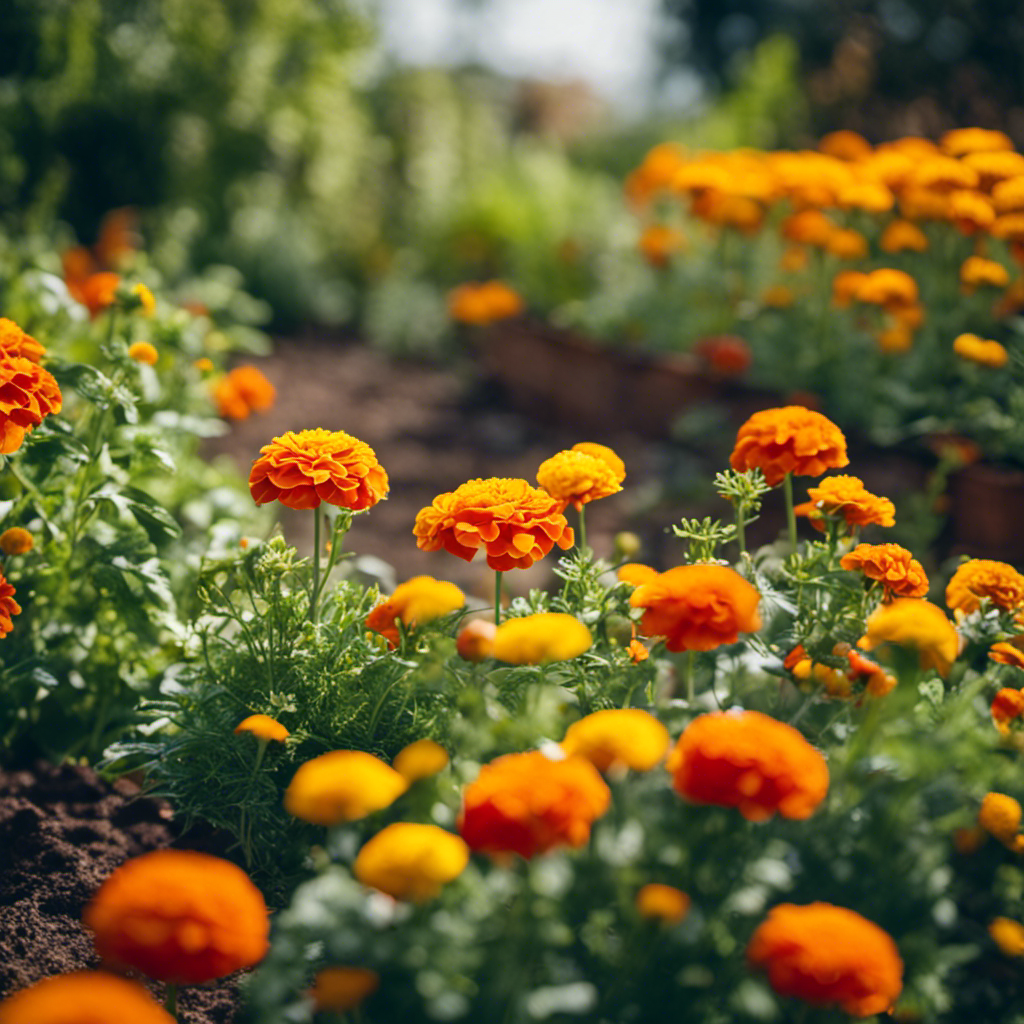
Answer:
(16, 541)
(475, 641)
(664, 903)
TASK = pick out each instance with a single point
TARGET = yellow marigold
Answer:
(28, 394)
(791, 439)
(628, 738)
(15, 342)
(475, 641)
(844, 145)
(848, 498)
(658, 243)
(913, 622)
(528, 804)
(893, 566)
(576, 478)
(414, 603)
(872, 196)
(343, 785)
(1007, 654)
(808, 227)
(847, 244)
(981, 578)
(263, 727)
(698, 607)
(605, 454)
(204, 364)
(144, 297)
(994, 167)
(541, 638)
(943, 175)
(978, 272)
(1010, 227)
(16, 541)
(179, 917)
(1000, 816)
(84, 997)
(828, 955)
(1008, 935)
(845, 286)
(748, 760)
(303, 469)
(889, 288)
(923, 203)
(962, 141)
(903, 236)
(411, 862)
(515, 523)
(420, 760)
(8, 606)
(1008, 195)
(664, 903)
(143, 352)
(970, 211)
(980, 351)
(340, 989)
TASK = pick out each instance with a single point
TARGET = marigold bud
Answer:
(664, 903)
(1000, 816)
(16, 541)
(420, 760)
(143, 352)
(340, 989)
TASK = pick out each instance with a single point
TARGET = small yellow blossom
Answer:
(144, 352)
(538, 639)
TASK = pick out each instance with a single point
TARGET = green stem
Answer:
(583, 530)
(787, 487)
(741, 527)
(689, 671)
(497, 597)
(244, 825)
(314, 597)
(171, 1000)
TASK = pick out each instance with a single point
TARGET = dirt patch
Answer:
(63, 831)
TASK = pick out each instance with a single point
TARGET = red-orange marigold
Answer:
(791, 439)
(28, 394)
(516, 524)
(828, 955)
(8, 606)
(894, 566)
(303, 469)
(84, 997)
(750, 761)
(15, 342)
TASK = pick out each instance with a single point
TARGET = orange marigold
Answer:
(664, 903)
(411, 862)
(1007, 654)
(303, 469)
(845, 286)
(28, 394)
(658, 243)
(847, 244)
(628, 738)
(808, 227)
(180, 917)
(475, 641)
(791, 439)
(750, 761)
(576, 478)
(340, 989)
(894, 566)
(845, 145)
(8, 606)
(420, 760)
(888, 288)
(483, 303)
(529, 804)
(978, 272)
(16, 540)
(413, 603)
(970, 211)
(636, 574)
(697, 607)
(515, 523)
(1007, 705)
(828, 955)
(244, 390)
(15, 342)
(342, 785)
(1008, 195)
(913, 622)
(84, 997)
(1000, 816)
(263, 727)
(1008, 935)
(981, 578)
(980, 351)
(96, 291)
(846, 497)
(903, 236)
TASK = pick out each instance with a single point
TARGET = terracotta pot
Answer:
(987, 512)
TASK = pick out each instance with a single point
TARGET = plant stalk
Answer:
(315, 596)
(497, 597)
(787, 487)
(171, 1000)
(583, 530)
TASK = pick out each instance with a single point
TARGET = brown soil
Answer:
(62, 832)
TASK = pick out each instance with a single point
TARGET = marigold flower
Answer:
(8, 606)
(28, 394)
(995, 167)
(483, 303)
(980, 351)
(894, 566)
(895, 340)
(475, 641)
(903, 236)
(846, 497)
(420, 760)
(1000, 816)
(179, 917)
(15, 342)
(628, 738)
(529, 804)
(96, 291)
(340, 989)
(698, 607)
(1008, 935)
(845, 286)
(16, 541)
(828, 955)
(605, 454)
(1007, 705)
(1008, 195)
(204, 364)
(143, 352)
(263, 727)
(970, 211)
(913, 622)
(877, 682)
(978, 272)
(515, 523)
(411, 862)
(808, 227)
(872, 196)
(750, 761)
(969, 840)
(981, 578)
(778, 296)
(794, 259)
(888, 288)
(664, 903)
(1007, 654)
(342, 785)
(918, 203)
(576, 478)
(84, 997)
(658, 243)
(541, 638)
(845, 145)
(228, 400)
(303, 469)
(791, 439)
(146, 301)
(1009, 226)
(251, 383)
(943, 175)
(118, 236)
(636, 574)
(962, 141)
(847, 244)
(414, 603)
(725, 354)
